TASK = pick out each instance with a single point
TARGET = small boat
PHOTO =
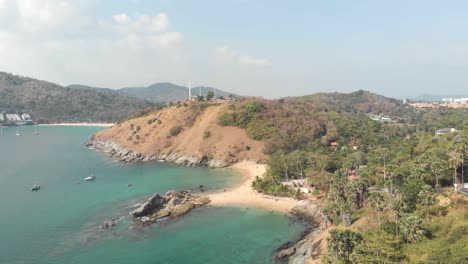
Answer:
(90, 178)
(17, 132)
(35, 187)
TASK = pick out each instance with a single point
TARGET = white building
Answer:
(445, 130)
(455, 100)
(25, 117)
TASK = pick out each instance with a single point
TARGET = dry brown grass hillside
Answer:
(200, 134)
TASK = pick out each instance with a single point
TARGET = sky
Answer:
(268, 48)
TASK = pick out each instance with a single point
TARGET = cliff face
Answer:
(186, 134)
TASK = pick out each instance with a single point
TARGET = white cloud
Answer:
(225, 54)
(167, 39)
(152, 31)
(45, 15)
(61, 41)
(142, 23)
(248, 60)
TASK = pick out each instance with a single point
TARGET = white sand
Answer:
(244, 195)
(81, 124)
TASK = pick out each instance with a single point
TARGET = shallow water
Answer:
(59, 223)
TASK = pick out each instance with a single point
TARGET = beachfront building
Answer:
(26, 117)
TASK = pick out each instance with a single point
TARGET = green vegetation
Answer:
(269, 186)
(174, 131)
(210, 95)
(340, 245)
(330, 140)
(52, 103)
(206, 134)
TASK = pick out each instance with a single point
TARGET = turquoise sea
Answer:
(59, 223)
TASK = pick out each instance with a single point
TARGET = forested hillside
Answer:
(50, 103)
(391, 185)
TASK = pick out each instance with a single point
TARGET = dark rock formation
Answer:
(123, 154)
(302, 249)
(110, 223)
(173, 204)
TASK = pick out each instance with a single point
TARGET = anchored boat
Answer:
(90, 178)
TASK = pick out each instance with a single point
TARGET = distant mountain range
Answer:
(158, 92)
(51, 103)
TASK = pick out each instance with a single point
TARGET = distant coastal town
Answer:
(461, 102)
(15, 119)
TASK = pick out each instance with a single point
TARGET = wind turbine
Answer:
(189, 90)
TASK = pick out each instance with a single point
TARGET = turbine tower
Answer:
(189, 91)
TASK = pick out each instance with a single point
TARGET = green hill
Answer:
(50, 103)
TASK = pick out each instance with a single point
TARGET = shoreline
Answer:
(80, 124)
(244, 195)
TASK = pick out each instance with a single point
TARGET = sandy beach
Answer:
(81, 124)
(244, 195)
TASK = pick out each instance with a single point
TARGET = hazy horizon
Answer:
(263, 48)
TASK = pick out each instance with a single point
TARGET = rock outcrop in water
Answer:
(173, 204)
(298, 252)
(123, 154)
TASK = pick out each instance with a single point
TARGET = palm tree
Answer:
(355, 191)
(411, 228)
(427, 197)
(341, 243)
(398, 207)
(376, 201)
(383, 153)
(436, 165)
(455, 160)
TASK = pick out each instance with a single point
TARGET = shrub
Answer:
(203, 106)
(159, 121)
(247, 148)
(175, 130)
(388, 227)
(138, 128)
(137, 137)
(254, 107)
(227, 119)
(206, 134)
(268, 186)
(130, 138)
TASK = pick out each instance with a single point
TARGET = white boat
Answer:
(90, 178)
(17, 132)
(35, 187)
